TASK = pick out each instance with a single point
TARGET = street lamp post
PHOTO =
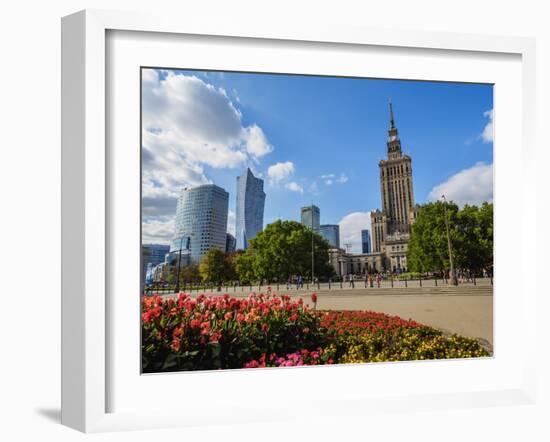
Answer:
(452, 270)
(179, 265)
(312, 246)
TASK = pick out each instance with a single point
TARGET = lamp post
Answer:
(452, 270)
(312, 246)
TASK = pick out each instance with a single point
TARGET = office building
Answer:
(310, 217)
(201, 221)
(249, 207)
(365, 241)
(230, 243)
(331, 232)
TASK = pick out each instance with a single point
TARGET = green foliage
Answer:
(409, 276)
(244, 267)
(216, 266)
(471, 233)
(281, 250)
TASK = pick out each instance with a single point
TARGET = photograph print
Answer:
(300, 220)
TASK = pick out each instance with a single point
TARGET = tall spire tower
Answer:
(394, 144)
(392, 225)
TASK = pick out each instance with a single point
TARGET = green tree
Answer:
(284, 249)
(188, 273)
(485, 225)
(243, 263)
(471, 232)
(215, 267)
(427, 249)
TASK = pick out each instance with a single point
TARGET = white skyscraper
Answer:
(201, 220)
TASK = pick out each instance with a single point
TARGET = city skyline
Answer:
(242, 120)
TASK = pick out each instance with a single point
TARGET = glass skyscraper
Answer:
(230, 243)
(201, 220)
(250, 208)
(365, 240)
(155, 253)
(331, 232)
(311, 217)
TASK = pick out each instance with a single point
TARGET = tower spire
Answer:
(392, 124)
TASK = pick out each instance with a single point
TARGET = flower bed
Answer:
(206, 333)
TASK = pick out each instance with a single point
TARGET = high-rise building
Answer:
(391, 226)
(230, 243)
(152, 255)
(155, 253)
(249, 207)
(331, 232)
(365, 240)
(201, 221)
(311, 216)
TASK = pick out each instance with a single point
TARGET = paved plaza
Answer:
(466, 309)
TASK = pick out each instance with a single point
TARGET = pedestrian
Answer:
(378, 278)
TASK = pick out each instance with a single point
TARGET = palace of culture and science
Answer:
(391, 226)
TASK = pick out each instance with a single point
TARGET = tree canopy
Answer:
(470, 230)
(216, 266)
(283, 249)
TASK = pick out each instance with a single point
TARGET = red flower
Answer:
(314, 298)
(176, 344)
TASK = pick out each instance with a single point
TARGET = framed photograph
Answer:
(249, 211)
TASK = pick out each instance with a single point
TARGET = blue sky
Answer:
(312, 139)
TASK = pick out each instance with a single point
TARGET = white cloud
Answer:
(350, 230)
(159, 230)
(469, 186)
(331, 178)
(189, 124)
(342, 179)
(280, 171)
(487, 134)
(313, 188)
(295, 187)
(256, 142)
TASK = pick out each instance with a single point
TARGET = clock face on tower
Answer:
(393, 137)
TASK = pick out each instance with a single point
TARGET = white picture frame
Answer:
(86, 217)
